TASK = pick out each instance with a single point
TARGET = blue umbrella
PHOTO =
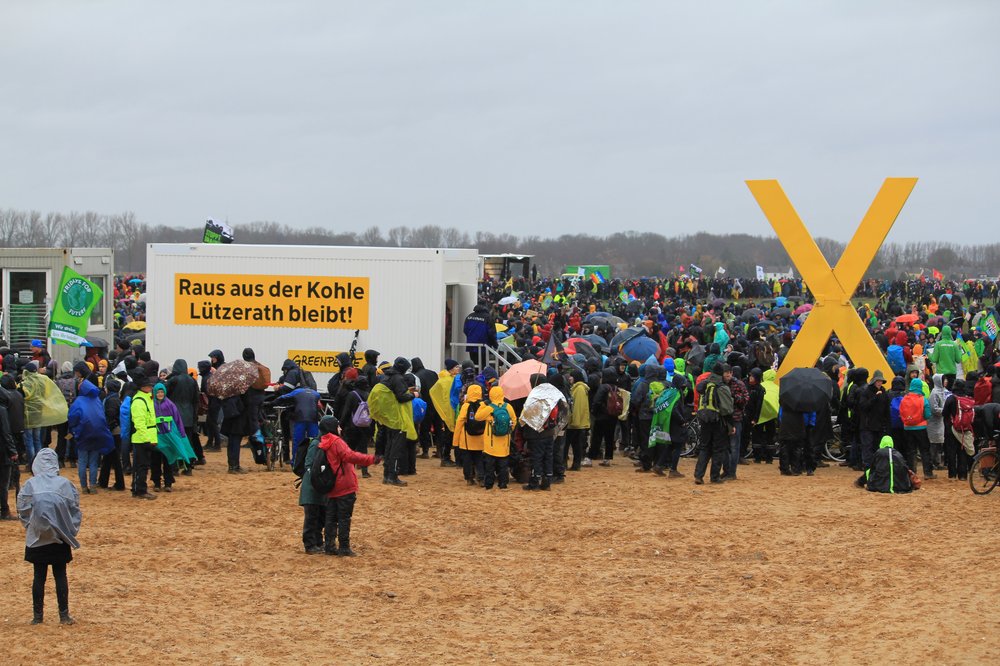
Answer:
(780, 301)
(597, 341)
(606, 315)
(135, 281)
(639, 348)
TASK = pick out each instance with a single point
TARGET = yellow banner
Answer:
(287, 301)
(321, 361)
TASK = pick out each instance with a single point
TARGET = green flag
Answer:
(71, 312)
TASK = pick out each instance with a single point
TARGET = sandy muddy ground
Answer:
(611, 567)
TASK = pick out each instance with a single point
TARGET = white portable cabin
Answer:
(28, 284)
(306, 302)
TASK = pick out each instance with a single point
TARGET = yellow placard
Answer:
(287, 301)
(321, 361)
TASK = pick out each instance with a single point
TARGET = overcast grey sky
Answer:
(532, 117)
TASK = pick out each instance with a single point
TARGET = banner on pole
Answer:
(70, 315)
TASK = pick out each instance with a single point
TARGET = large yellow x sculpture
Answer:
(832, 288)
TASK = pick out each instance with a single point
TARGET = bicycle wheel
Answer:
(694, 436)
(984, 472)
(835, 449)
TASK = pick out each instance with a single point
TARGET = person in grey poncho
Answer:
(49, 508)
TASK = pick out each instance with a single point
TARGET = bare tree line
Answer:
(629, 253)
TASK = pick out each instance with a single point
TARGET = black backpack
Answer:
(321, 474)
(472, 426)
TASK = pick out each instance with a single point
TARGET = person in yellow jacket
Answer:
(579, 420)
(496, 439)
(144, 437)
(468, 435)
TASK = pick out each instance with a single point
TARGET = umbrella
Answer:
(135, 326)
(93, 341)
(624, 336)
(695, 358)
(597, 342)
(581, 346)
(135, 281)
(231, 379)
(639, 348)
(508, 300)
(933, 330)
(751, 314)
(907, 319)
(766, 323)
(594, 315)
(718, 303)
(781, 312)
(802, 309)
(805, 390)
(780, 301)
(516, 381)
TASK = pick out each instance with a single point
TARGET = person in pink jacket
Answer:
(340, 500)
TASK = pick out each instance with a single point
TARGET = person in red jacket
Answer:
(340, 500)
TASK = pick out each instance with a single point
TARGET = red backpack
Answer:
(911, 410)
(961, 420)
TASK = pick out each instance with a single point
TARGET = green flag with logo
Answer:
(75, 300)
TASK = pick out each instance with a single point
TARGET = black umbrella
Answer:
(597, 342)
(624, 336)
(750, 314)
(718, 303)
(781, 312)
(98, 343)
(695, 358)
(805, 390)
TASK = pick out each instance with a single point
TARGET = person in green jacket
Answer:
(946, 355)
(144, 437)
(313, 506)
(579, 420)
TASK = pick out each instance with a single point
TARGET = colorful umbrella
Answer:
(231, 379)
(907, 319)
(516, 381)
(806, 307)
(135, 326)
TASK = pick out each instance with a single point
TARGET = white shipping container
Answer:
(307, 302)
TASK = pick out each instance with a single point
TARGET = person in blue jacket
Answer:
(480, 329)
(90, 431)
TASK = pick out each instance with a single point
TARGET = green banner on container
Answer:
(75, 300)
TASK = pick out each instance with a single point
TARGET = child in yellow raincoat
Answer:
(496, 440)
(468, 435)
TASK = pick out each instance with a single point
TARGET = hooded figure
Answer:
(935, 425)
(370, 368)
(888, 472)
(182, 390)
(946, 355)
(49, 507)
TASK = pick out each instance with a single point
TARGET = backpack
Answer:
(895, 358)
(361, 418)
(553, 419)
(501, 420)
(614, 404)
(321, 475)
(911, 410)
(961, 420)
(763, 355)
(472, 426)
(894, 417)
(202, 404)
(708, 410)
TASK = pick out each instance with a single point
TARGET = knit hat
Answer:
(450, 363)
(350, 375)
(328, 425)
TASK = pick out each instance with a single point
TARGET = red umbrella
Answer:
(907, 319)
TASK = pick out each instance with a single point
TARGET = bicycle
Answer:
(835, 449)
(984, 473)
(274, 439)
